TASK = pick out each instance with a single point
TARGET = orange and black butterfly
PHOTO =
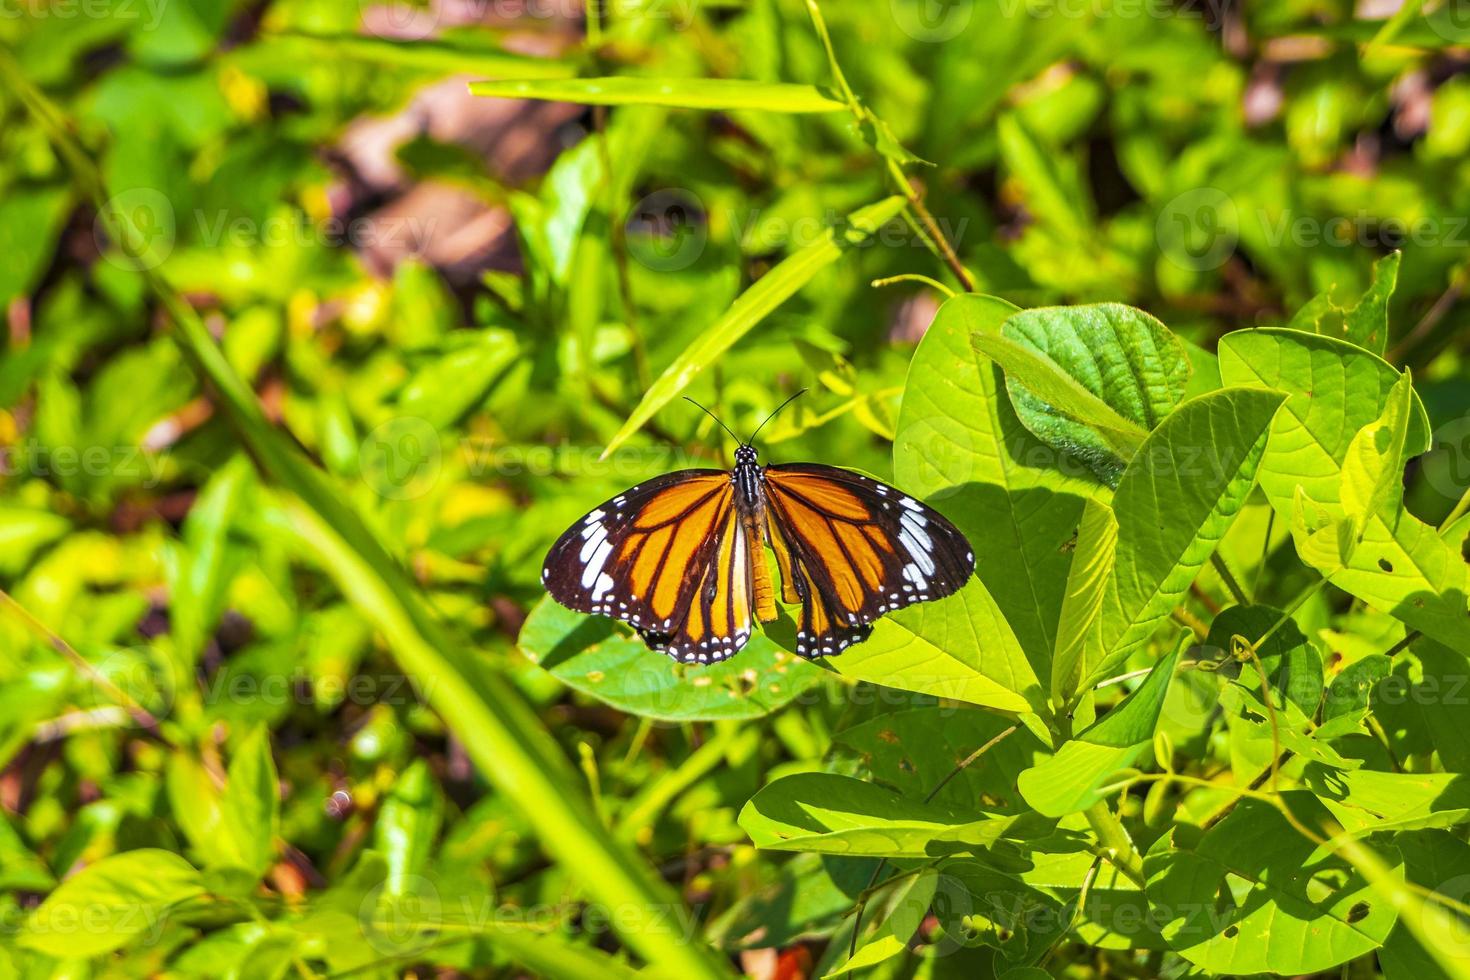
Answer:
(681, 556)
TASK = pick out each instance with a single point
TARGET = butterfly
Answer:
(682, 557)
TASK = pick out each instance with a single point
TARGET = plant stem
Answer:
(934, 284)
(1117, 845)
(1228, 577)
(934, 239)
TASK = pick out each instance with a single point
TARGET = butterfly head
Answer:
(745, 456)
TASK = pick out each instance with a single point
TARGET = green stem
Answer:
(1117, 845)
(1231, 583)
(933, 237)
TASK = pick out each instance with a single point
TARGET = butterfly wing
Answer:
(666, 556)
(851, 549)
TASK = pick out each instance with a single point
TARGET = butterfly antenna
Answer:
(715, 417)
(751, 440)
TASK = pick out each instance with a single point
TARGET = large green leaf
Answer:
(1336, 390)
(1373, 469)
(754, 305)
(1365, 801)
(108, 904)
(1174, 503)
(595, 657)
(1093, 560)
(916, 751)
(446, 57)
(250, 808)
(720, 94)
(1072, 779)
(832, 814)
(960, 447)
(1255, 896)
(1117, 355)
(959, 648)
(1429, 942)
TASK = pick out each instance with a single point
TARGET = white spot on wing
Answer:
(593, 572)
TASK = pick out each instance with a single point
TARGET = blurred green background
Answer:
(452, 303)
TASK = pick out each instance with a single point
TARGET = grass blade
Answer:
(753, 305)
(722, 94)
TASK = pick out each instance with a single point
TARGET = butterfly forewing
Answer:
(851, 549)
(667, 556)
(640, 555)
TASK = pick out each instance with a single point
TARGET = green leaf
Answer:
(1174, 503)
(1255, 896)
(1346, 703)
(1366, 802)
(832, 814)
(194, 801)
(719, 94)
(199, 575)
(1335, 390)
(917, 750)
(1071, 780)
(251, 805)
(408, 824)
(1428, 941)
(1292, 664)
(1051, 401)
(980, 905)
(960, 447)
(1116, 355)
(593, 656)
(1366, 324)
(458, 56)
(1373, 469)
(904, 914)
(959, 647)
(1049, 194)
(753, 306)
(1093, 560)
(106, 905)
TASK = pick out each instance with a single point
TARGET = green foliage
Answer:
(324, 321)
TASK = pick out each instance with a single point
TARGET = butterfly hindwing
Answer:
(718, 618)
(851, 549)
